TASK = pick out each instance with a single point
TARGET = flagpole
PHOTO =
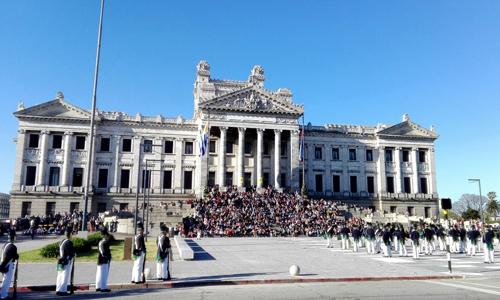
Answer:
(303, 158)
(208, 148)
(92, 121)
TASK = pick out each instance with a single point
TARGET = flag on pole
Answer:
(203, 141)
(301, 145)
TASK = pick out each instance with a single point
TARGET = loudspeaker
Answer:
(445, 203)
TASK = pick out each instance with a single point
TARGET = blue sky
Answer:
(348, 62)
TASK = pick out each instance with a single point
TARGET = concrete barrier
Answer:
(185, 252)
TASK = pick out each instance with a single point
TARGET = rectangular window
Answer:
(336, 183)
(352, 154)
(248, 148)
(319, 183)
(407, 185)
(26, 209)
(104, 144)
(188, 180)
(335, 154)
(393, 209)
(188, 148)
(212, 147)
(169, 147)
(56, 141)
(369, 155)
(229, 179)
(370, 184)
(406, 155)
(80, 142)
(126, 145)
(423, 185)
(123, 206)
(33, 140)
(283, 179)
(421, 156)
(167, 179)
(146, 179)
(411, 211)
(54, 176)
(125, 179)
(284, 148)
(101, 207)
(354, 184)
(74, 206)
(266, 148)
(427, 212)
(247, 179)
(265, 180)
(388, 155)
(229, 147)
(102, 180)
(50, 208)
(30, 175)
(148, 146)
(390, 184)
(77, 177)
(318, 153)
(211, 179)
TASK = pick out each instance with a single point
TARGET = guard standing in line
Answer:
(356, 236)
(402, 241)
(370, 239)
(103, 263)
(428, 236)
(344, 233)
(386, 239)
(396, 234)
(472, 235)
(65, 263)
(415, 240)
(489, 249)
(329, 236)
(139, 255)
(163, 255)
(9, 256)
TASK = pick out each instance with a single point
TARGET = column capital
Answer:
(295, 132)
(68, 133)
(117, 137)
(223, 128)
(260, 130)
(136, 137)
(44, 131)
(179, 139)
(21, 131)
(414, 149)
(398, 148)
(241, 129)
(278, 131)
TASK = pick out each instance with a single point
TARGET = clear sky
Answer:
(348, 62)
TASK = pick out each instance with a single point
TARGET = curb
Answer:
(184, 284)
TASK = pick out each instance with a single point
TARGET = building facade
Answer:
(254, 140)
(4, 205)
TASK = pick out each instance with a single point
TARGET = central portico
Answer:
(254, 132)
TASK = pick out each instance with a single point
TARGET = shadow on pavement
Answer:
(199, 252)
(88, 295)
(226, 276)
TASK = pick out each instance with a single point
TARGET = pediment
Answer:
(57, 108)
(252, 99)
(408, 129)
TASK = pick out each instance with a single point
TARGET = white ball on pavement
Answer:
(294, 270)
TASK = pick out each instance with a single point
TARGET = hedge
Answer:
(95, 238)
(80, 245)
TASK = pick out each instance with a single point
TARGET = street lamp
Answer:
(471, 180)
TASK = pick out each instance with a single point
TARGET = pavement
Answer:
(238, 263)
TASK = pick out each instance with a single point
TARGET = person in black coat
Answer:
(489, 249)
(103, 262)
(139, 252)
(9, 257)
(65, 263)
(386, 240)
(415, 242)
(356, 236)
(163, 255)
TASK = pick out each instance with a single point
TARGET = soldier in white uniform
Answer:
(9, 257)
(163, 255)
(329, 237)
(139, 253)
(65, 263)
(103, 263)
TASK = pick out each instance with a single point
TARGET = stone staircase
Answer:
(169, 213)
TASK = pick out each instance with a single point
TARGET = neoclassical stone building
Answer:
(254, 140)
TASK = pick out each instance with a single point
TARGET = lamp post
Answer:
(480, 200)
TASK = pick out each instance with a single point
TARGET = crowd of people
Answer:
(263, 213)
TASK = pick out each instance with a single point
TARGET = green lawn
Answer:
(90, 256)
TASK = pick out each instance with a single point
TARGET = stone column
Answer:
(362, 185)
(67, 158)
(345, 181)
(157, 170)
(415, 187)
(294, 160)
(398, 181)
(222, 157)
(277, 157)
(431, 181)
(260, 137)
(241, 158)
(178, 165)
(137, 148)
(116, 164)
(19, 167)
(381, 178)
(43, 158)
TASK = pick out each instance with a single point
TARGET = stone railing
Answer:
(32, 155)
(78, 155)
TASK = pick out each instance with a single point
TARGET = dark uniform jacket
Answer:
(370, 234)
(356, 234)
(163, 247)
(488, 237)
(104, 252)
(67, 251)
(428, 234)
(473, 235)
(139, 245)
(9, 254)
(415, 236)
(387, 237)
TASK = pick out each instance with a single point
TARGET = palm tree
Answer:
(492, 207)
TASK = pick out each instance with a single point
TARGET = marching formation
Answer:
(424, 238)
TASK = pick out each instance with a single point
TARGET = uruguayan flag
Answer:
(203, 141)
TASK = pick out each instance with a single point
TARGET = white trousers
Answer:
(329, 242)
(402, 249)
(442, 245)
(416, 250)
(396, 244)
(101, 276)
(137, 269)
(428, 247)
(345, 243)
(63, 277)
(162, 268)
(370, 246)
(489, 255)
(471, 249)
(355, 245)
(7, 280)
(387, 250)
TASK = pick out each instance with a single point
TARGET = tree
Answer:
(492, 206)
(467, 201)
(470, 214)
